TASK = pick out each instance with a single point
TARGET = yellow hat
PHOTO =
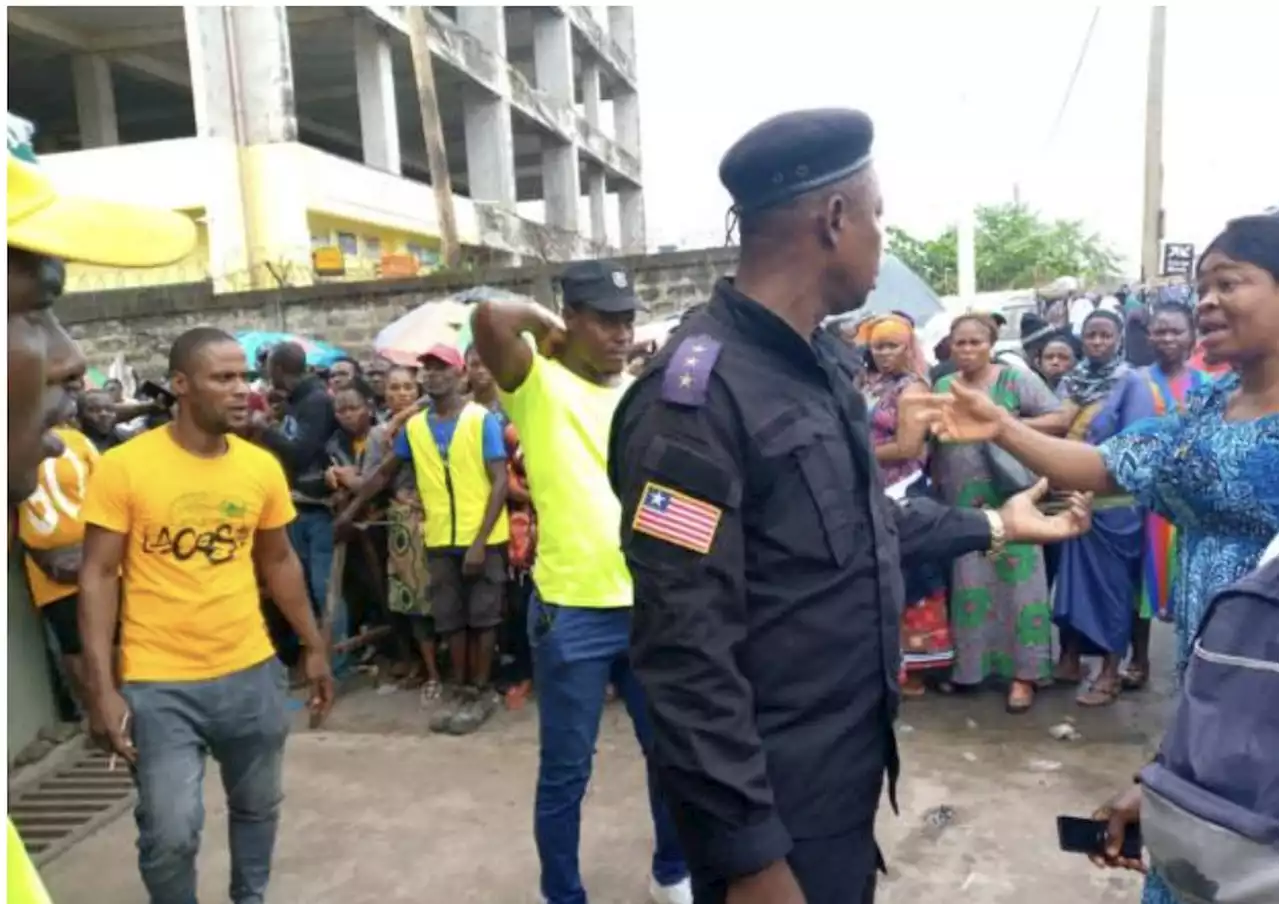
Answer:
(78, 229)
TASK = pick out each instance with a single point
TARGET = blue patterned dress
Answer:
(1216, 481)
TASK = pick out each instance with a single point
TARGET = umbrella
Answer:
(319, 354)
(441, 321)
(898, 289)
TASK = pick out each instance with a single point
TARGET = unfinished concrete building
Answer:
(287, 130)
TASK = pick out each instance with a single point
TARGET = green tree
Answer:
(1014, 248)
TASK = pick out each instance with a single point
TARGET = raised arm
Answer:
(498, 329)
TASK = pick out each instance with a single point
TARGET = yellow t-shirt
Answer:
(563, 423)
(50, 518)
(190, 608)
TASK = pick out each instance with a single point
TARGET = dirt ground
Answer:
(380, 811)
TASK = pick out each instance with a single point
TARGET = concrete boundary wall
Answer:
(142, 323)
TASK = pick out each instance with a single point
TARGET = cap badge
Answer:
(619, 279)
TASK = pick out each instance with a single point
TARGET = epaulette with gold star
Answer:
(688, 373)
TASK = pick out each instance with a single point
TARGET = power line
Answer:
(1075, 74)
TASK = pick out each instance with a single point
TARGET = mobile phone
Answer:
(1089, 836)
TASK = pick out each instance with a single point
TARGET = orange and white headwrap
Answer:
(890, 327)
(894, 327)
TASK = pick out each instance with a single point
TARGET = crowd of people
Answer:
(1102, 589)
(524, 515)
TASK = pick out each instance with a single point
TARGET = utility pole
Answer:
(966, 270)
(433, 134)
(1153, 158)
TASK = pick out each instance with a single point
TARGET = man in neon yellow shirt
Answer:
(561, 399)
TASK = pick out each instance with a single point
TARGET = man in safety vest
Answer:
(459, 458)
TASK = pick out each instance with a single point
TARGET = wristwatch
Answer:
(998, 537)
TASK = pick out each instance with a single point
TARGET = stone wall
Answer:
(142, 323)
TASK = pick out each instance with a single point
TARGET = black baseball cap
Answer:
(600, 285)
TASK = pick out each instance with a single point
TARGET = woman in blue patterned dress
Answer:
(1211, 470)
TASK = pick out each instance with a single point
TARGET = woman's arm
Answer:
(1069, 465)
(1055, 423)
(908, 440)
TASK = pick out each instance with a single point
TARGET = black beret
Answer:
(795, 153)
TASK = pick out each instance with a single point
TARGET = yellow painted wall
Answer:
(363, 244)
(298, 198)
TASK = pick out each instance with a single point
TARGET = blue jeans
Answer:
(241, 720)
(311, 534)
(576, 653)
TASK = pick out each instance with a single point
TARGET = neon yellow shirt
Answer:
(563, 423)
(23, 884)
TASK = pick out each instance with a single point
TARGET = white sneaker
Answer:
(680, 893)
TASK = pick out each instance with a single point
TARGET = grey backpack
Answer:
(1209, 801)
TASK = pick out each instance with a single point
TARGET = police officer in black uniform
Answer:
(765, 555)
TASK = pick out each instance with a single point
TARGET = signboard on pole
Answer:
(1177, 259)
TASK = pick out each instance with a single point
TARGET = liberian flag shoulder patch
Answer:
(677, 518)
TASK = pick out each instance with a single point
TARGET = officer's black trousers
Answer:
(839, 869)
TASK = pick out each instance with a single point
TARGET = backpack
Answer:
(1209, 801)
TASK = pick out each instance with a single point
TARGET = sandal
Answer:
(1099, 694)
(1022, 696)
(1135, 677)
(431, 692)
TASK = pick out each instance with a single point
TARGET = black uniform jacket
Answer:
(766, 562)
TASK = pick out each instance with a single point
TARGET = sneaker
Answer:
(680, 893)
(474, 712)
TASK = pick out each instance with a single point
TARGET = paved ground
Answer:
(379, 811)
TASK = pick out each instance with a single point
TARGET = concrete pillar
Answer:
(95, 101)
(631, 214)
(241, 73)
(591, 92)
(260, 38)
(622, 28)
(376, 96)
(626, 122)
(208, 46)
(553, 72)
(242, 91)
(486, 119)
(209, 58)
(598, 189)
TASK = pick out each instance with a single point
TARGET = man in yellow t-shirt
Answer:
(51, 531)
(183, 513)
(43, 229)
(561, 400)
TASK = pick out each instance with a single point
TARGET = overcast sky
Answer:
(964, 97)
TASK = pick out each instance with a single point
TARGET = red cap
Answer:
(446, 354)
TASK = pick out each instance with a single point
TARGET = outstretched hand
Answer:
(961, 415)
(1025, 523)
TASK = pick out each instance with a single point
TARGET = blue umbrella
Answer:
(319, 354)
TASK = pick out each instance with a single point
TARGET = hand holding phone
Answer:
(1089, 836)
